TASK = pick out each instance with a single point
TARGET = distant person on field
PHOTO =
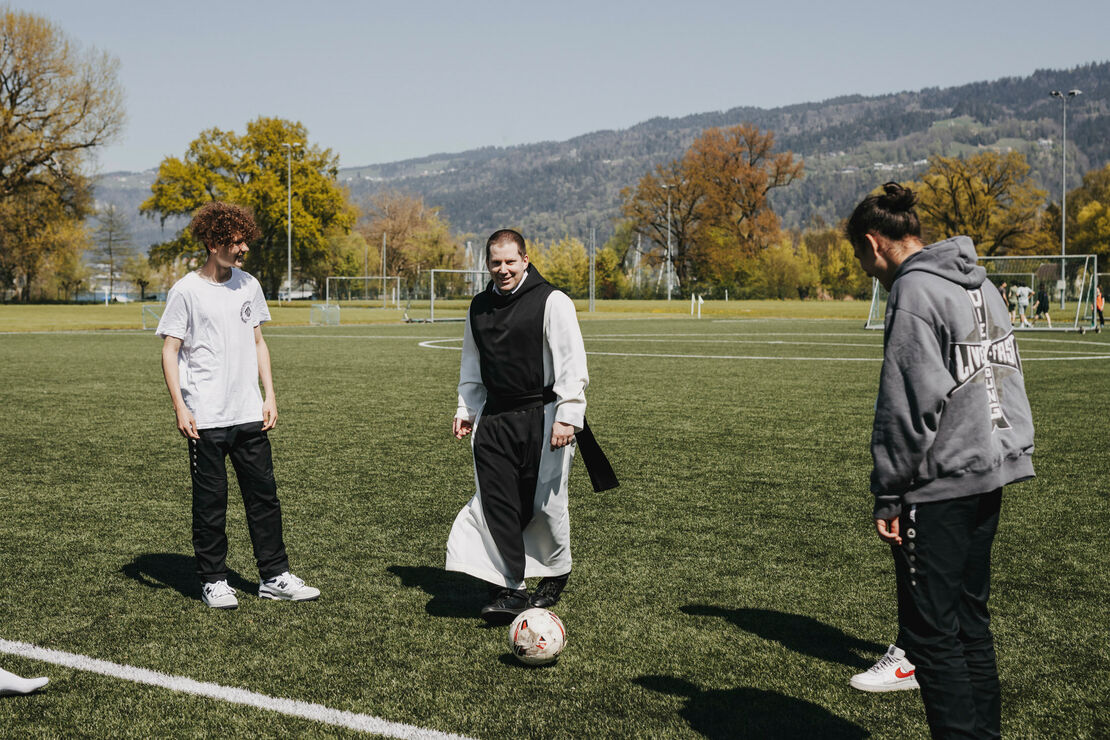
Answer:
(12, 685)
(522, 392)
(1024, 293)
(213, 356)
(1042, 307)
(952, 427)
(1004, 291)
(1098, 306)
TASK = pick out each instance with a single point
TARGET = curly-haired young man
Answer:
(213, 356)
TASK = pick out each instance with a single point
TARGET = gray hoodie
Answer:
(952, 419)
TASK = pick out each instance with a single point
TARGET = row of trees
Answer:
(706, 216)
(331, 235)
(711, 207)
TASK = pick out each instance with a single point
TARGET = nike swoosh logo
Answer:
(900, 674)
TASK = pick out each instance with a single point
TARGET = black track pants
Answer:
(249, 449)
(507, 447)
(943, 570)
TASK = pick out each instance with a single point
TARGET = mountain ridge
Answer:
(849, 143)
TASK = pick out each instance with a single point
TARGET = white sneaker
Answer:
(892, 673)
(287, 587)
(219, 595)
(12, 685)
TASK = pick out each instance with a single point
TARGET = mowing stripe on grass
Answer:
(291, 707)
(434, 344)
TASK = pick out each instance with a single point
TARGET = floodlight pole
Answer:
(289, 217)
(593, 263)
(384, 273)
(670, 264)
(1064, 187)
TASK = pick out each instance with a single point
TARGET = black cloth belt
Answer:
(602, 475)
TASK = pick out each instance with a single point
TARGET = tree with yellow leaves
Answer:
(988, 197)
(252, 170)
(58, 104)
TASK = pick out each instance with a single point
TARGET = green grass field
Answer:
(728, 588)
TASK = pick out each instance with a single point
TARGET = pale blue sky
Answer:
(380, 81)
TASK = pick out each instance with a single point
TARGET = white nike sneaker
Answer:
(287, 587)
(219, 595)
(892, 673)
(12, 685)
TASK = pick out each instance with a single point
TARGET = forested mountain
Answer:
(849, 145)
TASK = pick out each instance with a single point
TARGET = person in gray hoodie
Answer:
(952, 427)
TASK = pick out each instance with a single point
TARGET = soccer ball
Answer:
(537, 636)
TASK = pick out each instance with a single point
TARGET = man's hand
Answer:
(269, 414)
(461, 427)
(186, 424)
(888, 530)
(561, 435)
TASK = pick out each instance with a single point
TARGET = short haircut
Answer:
(889, 213)
(216, 224)
(501, 236)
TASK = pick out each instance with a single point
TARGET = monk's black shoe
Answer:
(506, 604)
(547, 593)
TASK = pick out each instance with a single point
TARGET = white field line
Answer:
(739, 357)
(1022, 339)
(870, 345)
(180, 684)
(1065, 359)
(438, 344)
(278, 334)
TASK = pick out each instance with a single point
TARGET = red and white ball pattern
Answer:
(537, 636)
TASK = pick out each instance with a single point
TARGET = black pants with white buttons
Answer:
(943, 569)
(249, 449)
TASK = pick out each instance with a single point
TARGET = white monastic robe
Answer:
(470, 547)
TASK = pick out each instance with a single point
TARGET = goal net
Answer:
(152, 315)
(364, 290)
(1065, 283)
(449, 295)
(323, 314)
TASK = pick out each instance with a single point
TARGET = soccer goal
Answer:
(372, 290)
(1067, 282)
(450, 291)
(323, 314)
(151, 317)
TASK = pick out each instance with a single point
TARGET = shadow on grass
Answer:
(179, 572)
(511, 660)
(801, 634)
(454, 595)
(751, 713)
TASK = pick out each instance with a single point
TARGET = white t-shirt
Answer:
(1024, 292)
(218, 362)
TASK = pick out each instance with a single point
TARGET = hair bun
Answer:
(897, 198)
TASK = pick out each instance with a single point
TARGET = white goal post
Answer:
(343, 288)
(453, 285)
(1068, 280)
